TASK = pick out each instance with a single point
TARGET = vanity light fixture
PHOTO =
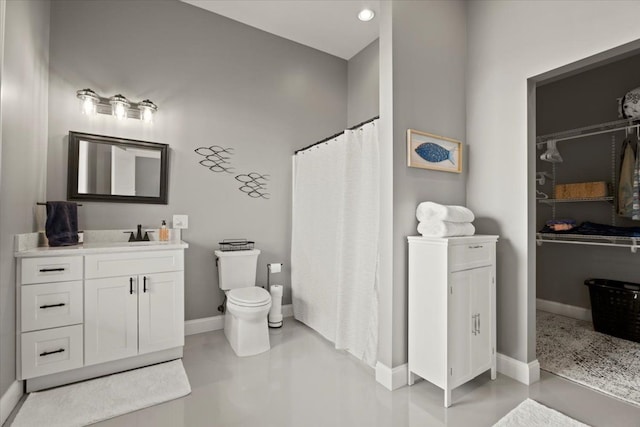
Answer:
(119, 106)
(366, 15)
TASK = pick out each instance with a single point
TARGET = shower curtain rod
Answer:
(336, 135)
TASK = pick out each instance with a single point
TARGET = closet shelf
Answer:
(632, 243)
(589, 199)
(588, 130)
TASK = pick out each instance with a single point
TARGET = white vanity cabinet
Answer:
(133, 314)
(452, 299)
(103, 310)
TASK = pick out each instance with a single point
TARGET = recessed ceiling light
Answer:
(366, 15)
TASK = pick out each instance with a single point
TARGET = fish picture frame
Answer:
(429, 151)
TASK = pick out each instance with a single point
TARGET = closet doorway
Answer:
(584, 229)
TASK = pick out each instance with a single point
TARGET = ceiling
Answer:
(331, 26)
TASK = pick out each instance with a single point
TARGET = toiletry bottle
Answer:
(164, 232)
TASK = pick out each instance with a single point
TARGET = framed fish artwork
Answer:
(428, 151)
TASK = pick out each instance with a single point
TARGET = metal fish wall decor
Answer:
(216, 159)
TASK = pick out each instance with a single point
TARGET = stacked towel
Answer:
(436, 220)
(430, 211)
(446, 229)
(62, 223)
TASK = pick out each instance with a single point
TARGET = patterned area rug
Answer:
(532, 414)
(571, 349)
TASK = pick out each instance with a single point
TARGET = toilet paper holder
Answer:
(272, 269)
(274, 319)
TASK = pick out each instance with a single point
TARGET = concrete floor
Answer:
(304, 382)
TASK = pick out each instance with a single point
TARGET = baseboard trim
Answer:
(526, 373)
(216, 323)
(205, 324)
(391, 379)
(572, 311)
(9, 400)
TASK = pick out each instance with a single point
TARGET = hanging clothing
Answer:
(625, 183)
(635, 211)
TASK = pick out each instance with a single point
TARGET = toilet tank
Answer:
(237, 269)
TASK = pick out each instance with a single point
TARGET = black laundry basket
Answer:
(615, 307)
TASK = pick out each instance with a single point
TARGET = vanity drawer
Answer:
(51, 269)
(50, 351)
(133, 263)
(471, 255)
(50, 305)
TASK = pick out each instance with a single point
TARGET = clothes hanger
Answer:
(541, 177)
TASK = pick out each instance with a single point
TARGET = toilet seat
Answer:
(253, 296)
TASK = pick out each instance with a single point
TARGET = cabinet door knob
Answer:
(130, 285)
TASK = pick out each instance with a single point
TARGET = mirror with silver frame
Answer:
(109, 169)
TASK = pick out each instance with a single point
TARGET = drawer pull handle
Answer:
(47, 353)
(53, 305)
(49, 270)
(476, 247)
(130, 285)
(144, 283)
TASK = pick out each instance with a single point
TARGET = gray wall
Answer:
(363, 84)
(24, 146)
(429, 51)
(581, 100)
(509, 43)
(216, 82)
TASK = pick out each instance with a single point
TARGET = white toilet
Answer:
(245, 321)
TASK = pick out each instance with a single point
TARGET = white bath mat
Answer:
(95, 400)
(532, 414)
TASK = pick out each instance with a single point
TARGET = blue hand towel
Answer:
(62, 223)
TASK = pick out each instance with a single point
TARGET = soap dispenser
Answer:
(164, 231)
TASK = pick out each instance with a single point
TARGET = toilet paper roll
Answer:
(275, 268)
(275, 312)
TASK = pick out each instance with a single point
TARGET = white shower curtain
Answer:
(335, 237)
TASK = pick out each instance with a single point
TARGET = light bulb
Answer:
(147, 110)
(119, 106)
(366, 15)
(119, 111)
(88, 107)
(88, 101)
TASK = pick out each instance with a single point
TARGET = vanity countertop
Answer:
(100, 247)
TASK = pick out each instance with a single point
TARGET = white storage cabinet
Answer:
(452, 299)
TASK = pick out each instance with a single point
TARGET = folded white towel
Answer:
(427, 211)
(445, 228)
